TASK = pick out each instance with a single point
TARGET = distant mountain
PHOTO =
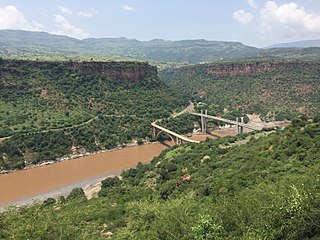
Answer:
(32, 45)
(16, 42)
(299, 44)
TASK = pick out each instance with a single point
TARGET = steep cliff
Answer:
(251, 68)
(130, 71)
(134, 72)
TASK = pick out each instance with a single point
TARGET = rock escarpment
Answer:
(134, 72)
(249, 68)
(130, 71)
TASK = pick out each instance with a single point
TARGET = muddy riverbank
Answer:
(23, 184)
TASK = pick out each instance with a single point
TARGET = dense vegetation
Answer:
(278, 89)
(265, 189)
(48, 110)
(34, 45)
(263, 185)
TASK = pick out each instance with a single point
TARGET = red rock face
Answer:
(134, 72)
(242, 69)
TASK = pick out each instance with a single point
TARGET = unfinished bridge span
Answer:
(240, 124)
(177, 138)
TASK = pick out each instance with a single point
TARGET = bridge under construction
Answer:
(239, 122)
(180, 139)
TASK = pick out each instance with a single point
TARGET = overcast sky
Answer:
(252, 22)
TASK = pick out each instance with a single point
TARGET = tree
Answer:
(76, 193)
(206, 229)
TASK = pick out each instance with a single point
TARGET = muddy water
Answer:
(26, 183)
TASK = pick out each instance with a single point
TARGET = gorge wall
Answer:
(249, 68)
(134, 72)
(129, 71)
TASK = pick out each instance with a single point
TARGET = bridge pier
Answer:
(239, 128)
(155, 132)
(204, 121)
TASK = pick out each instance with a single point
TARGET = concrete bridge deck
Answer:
(175, 135)
(227, 121)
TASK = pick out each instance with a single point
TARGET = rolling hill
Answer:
(41, 45)
(298, 44)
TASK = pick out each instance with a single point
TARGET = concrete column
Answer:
(205, 121)
(202, 121)
(241, 127)
(238, 130)
(154, 132)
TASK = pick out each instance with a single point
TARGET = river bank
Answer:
(20, 185)
(55, 178)
(74, 156)
(60, 191)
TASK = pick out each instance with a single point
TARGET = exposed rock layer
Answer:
(134, 72)
(243, 69)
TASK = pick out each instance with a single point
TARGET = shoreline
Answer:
(58, 179)
(74, 156)
(58, 192)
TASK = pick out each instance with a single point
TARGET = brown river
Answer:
(60, 178)
(26, 183)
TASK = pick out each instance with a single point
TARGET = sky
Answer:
(256, 23)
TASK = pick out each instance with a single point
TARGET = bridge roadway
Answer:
(176, 135)
(226, 121)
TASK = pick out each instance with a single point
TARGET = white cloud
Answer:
(128, 8)
(242, 16)
(66, 28)
(288, 20)
(12, 18)
(85, 14)
(252, 3)
(65, 10)
(88, 14)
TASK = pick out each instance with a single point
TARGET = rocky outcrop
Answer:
(134, 72)
(129, 71)
(249, 68)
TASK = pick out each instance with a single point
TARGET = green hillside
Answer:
(283, 89)
(267, 188)
(49, 108)
(41, 45)
(25, 44)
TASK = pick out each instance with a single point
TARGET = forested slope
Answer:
(277, 88)
(265, 189)
(41, 45)
(49, 109)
